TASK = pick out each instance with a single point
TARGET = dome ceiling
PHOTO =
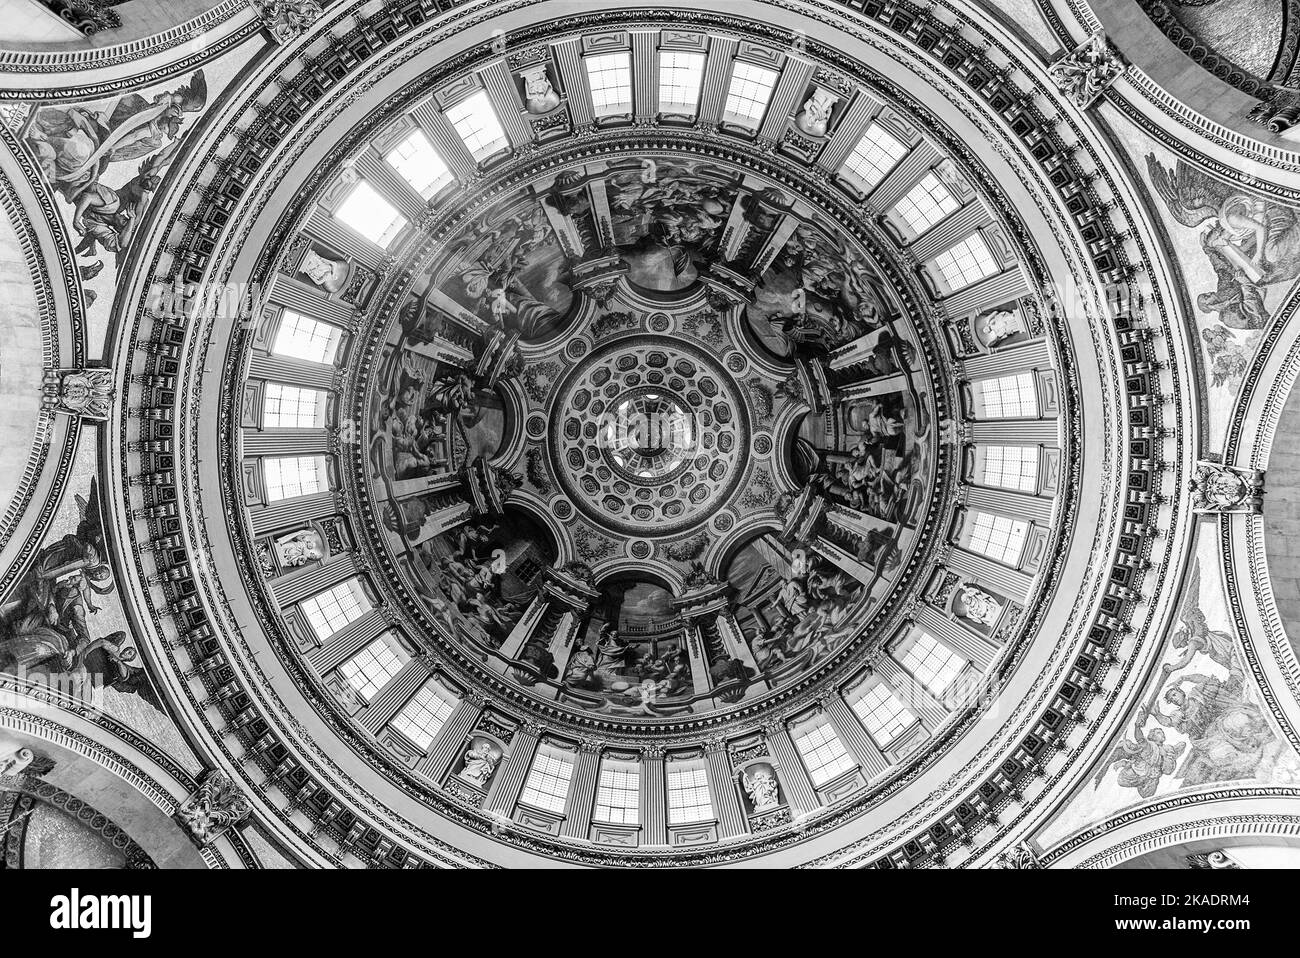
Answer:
(757, 433)
(650, 428)
(638, 419)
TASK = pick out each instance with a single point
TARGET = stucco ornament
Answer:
(287, 19)
(85, 393)
(1085, 72)
(216, 807)
(1217, 488)
(1020, 856)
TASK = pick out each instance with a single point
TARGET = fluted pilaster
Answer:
(452, 736)
(854, 736)
(654, 798)
(504, 790)
(582, 792)
(799, 791)
(722, 785)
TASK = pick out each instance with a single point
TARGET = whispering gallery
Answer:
(552, 433)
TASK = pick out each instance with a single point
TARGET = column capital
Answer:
(715, 744)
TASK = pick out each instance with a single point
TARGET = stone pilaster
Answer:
(722, 786)
(798, 787)
(582, 791)
(504, 791)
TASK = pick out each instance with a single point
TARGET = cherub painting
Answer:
(1200, 722)
(48, 623)
(77, 145)
(1252, 243)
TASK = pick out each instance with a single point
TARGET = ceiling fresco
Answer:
(529, 433)
(652, 402)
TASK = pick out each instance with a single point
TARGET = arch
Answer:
(1230, 816)
(132, 789)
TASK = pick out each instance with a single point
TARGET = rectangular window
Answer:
(301, 337)
(426, 712)
(417, 162)
(369, 214)
(477, 125)
(618, 793)
(688, 795)
(750, 89)
(335, 609)
(1001, 538)
(294, 476)
(968, 262)
(926, 203)
(933, 664)
(548, 780)
(680, 76)
(876, 154)
(1011, 467)
(292, 407)
(372, 668)
(823, 754)
(883, 715)
(1009, 397)
(610, 78)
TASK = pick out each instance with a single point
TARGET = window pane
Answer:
(933, 664)
(548, 780)
(335, 609)
(968, 262)
(419, 164)
(610, 78)
(1011, 467)
(750, 89)
(883, 715)
(476, 123)
(422, 717)
(369, 214)
(688, 795)
(875, 155)
(1001, 538)
(294, 476)
(823, 754)
(926, 204)
(291, 407)
(371, 669)
(618, 793)
(301, 337)
(680, 76)
(1009, 397)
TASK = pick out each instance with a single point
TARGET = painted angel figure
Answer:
(1143, 761)
(76, 145)
(1229, 735)
(1251, 242)
(47, 620)
(1196, 637)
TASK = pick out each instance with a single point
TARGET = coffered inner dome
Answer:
(642, 385)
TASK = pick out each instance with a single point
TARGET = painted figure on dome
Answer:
(77, 145)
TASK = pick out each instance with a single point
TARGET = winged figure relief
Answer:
(1251, 242)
